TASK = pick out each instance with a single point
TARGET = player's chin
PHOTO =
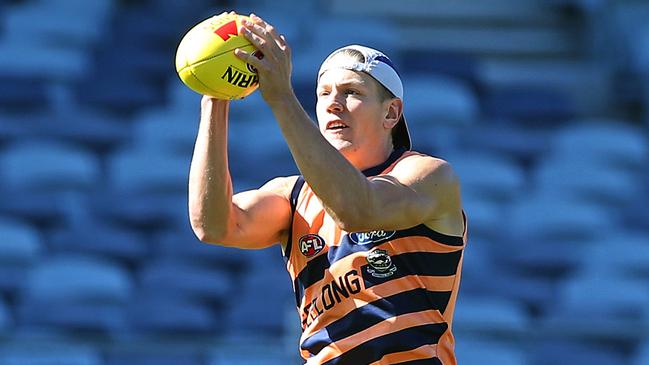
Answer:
(339, 143)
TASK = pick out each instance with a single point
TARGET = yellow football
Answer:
(206, 63)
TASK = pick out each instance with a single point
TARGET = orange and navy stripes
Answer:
(378, 297)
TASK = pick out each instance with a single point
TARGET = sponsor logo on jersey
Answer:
(331, 294)
(364, 238)
(381, 265)
(311, 244)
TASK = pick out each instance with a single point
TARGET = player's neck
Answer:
(371, 157)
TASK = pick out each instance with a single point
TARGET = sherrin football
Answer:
(206, 63)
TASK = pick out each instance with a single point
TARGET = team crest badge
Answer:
(311, 244)
(381, 265)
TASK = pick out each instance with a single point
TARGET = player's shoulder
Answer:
(421, 164)
(281, 185)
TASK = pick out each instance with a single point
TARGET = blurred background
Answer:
(541, 106)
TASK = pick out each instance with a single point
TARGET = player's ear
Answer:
(393, 111)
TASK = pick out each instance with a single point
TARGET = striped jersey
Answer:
(374, 297)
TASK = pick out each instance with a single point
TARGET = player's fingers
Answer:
(263, 24)
(251, 59)
(256, 29)
(258, 41)
(283, 44)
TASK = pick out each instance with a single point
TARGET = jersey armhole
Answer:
(295, 193)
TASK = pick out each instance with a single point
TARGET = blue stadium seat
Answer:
(20, 244)
(16, 353)
(39, 165)
(506, 138)
(594, 303)
(165, 313)
(564, 352)
(19, 93)
(416, 62)
(632, 217)
(20, 248)
(107, 91)
(99, 239)
(479, 351)
(586, 181)
(384, 34)
(485, 216)
(73, 24)
(42, 61)
(490, 176)
(140, 210)
(178, 278)
(81, 126)
(641, 355)
(267, 279)
(619, 253)
(490, 315)
(432, 100)
(557, 219)
(528, 104)
(152, 357)
(255, 352)
(543, 257)
(6, 321)
(41, 208)
(70, 278)
(616, 144)
(72, 293)
(151, 170)
(182, 244)
(69, 318)
(551, 78)
(162, 128)
(524, 283)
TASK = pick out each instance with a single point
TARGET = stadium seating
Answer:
(167, 314)
(180, 279)
(540, 107)
(474, 351)
(5, 319)
(20, 248)
(49, 354)
(41, 165)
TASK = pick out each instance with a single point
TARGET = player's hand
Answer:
(274, 68)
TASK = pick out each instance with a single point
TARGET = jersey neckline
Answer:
(372, 171)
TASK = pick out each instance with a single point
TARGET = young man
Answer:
(372, 232)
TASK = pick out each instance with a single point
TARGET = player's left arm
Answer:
(419, 189)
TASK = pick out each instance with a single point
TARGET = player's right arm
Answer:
(251, 219)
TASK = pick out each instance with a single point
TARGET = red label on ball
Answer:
(227, 30)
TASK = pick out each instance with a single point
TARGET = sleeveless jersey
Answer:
(374, 297)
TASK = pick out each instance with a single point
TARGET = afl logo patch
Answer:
(311, 244)
(380, 264)
(363, 238)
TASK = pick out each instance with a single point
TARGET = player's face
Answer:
(350, 111)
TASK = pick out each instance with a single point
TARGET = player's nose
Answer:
(334, 104)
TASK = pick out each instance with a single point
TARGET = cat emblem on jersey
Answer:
(311, 244)
(381, 265)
